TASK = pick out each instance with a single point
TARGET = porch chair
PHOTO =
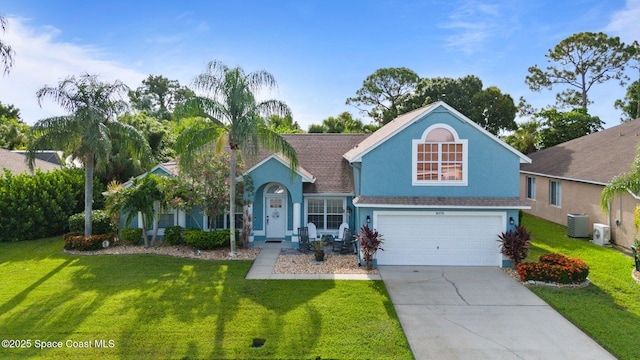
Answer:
(345, 245)
(313, 232)
(303, 237)
(337, 241)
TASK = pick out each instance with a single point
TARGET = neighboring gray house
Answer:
(16, 162)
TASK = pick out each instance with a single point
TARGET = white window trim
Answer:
(323, 231)
(558, 196)
(530, 189)
(456, 140)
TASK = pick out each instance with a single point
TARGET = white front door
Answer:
(276, 216)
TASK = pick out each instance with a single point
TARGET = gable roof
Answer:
(17, 163)
(304, 174)
(398, 124)
(594, 158)
(320, 158)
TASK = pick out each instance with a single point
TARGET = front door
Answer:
(276, 215)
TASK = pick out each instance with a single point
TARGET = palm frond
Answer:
(133, 141)
(259, 80)
(273, 107)
(273, 141)
(192, 139)
(621, 184)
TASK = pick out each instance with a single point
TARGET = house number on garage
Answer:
(439, 212)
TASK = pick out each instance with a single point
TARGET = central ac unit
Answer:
(601, 234)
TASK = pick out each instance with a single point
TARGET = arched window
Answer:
(275, 189)
(439, 157)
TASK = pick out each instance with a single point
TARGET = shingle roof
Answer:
(439, 202)
(386, 131)
(321, 156)
(16, 162)
(596, 158)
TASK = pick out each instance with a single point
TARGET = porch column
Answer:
(182, 218)
(296, 221)
(248, 211)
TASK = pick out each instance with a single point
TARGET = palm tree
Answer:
(621, 184)
(89, 128)
(145, 198)
(229, 103)
(6, 52)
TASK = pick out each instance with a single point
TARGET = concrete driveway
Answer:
(480, 313)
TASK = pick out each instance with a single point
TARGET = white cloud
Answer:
(41, 59)
(471, 25)
(624, 23)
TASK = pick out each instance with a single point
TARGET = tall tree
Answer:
(383, 91)
(343, 123)
(493, 110)
(490, 108)
(631, 102)
(158, 96)
(559, 127)
(455, 92)
(13, 131)
(630, 105)
(88, 129)
(234, 117)
(6, 52)
(283, 125)
(579, 62)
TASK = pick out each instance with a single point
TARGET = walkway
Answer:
(262, 268)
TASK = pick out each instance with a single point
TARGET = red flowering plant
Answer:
(554, 268)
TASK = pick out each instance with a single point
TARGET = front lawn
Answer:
(147, 306)
(609, 309)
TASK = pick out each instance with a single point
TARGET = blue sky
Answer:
(318, 51)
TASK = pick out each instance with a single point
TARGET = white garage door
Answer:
(430, 238)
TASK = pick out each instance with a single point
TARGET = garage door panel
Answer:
(427, 239)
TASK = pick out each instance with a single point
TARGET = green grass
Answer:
(609, 309)
(172, 308)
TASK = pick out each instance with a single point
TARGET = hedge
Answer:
(39, 205)
(173, 235)
(100, 223)
(131, 236)
(207, 240)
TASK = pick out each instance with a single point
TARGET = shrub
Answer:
(73, 241)
(39, 205)
(515, 244)
(173, 235)
(131, 236)
(207, 240)
(100, 222)
(554, 268)
(370, 241)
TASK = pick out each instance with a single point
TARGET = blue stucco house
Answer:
(436, 185)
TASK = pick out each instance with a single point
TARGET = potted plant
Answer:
(318, 246)
(370, 241)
